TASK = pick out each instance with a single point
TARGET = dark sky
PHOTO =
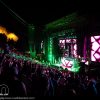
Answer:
(39, 12)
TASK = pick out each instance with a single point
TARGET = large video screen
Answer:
(69, 47)
(95, 48)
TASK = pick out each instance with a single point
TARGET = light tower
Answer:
(31, 40)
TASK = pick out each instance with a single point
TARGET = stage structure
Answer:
(31, 40)
(60, 45)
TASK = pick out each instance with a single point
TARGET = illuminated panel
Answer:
(74, 41)
(70, 64)
(68, 40)
(69, 46)
(42, 45)
(75, 50)
(62, 43)
(95, 49)
(66, 63)
(50, 49)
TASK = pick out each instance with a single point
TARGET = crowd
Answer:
(28, 78)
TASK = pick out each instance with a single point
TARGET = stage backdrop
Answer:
(95, 48)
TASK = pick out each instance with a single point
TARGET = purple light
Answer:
(75, 47)
(68, 40)
(92, 57)
(99, 41)
(68, 44)
(74, 40)
(97, 56)
(95, 46)
(95, 49)
(96, 37)
(99, 50)
(92, 39)
(62, 41)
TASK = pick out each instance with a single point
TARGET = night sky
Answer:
(39, 12)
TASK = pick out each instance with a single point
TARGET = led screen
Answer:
(69, 47)
(95, 48)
